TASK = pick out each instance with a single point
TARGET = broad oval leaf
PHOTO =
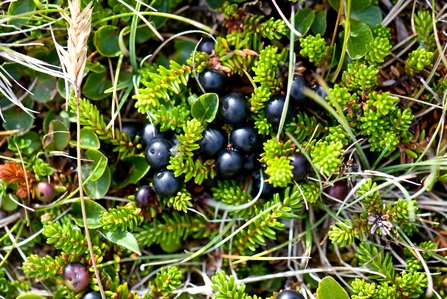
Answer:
(45, 89)
(16, 118)
(360, 35)
(92, 210)
(106, 41)
(121, 238)
(96, 189)
(320, 23)
(205, 107)
(355, 5)
(19, 7)
(328, 288)
(99, 164)
(58, 136)
(303, 20)
(136, 168)
(371, 16)
(89, 140)
(95, 86)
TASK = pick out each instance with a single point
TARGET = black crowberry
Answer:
(300, 166)
(206, 45)
(44, 192)
(245, 139)
(229, 163)
(130, 129)
(213, 80)
(296, 89)
(212, 143)
(145, 196)
(149, 132)
(158, 153)
(233, 109)
(76, 277)
(289, 294)
(91, 295)
(273, 109)
(338, 190)
(165, 183)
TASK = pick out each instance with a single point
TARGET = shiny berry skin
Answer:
(130, 129)
(319, 90)
(91, 295)
(233, 109)
(145, 196)
(229, 163)
(273, 109)
(165, 184)
(289, 294)
(158, 153)
(213, 80)
(149, 132)
(212, 143)
(338, 190)
(244, 139)
(44, 192)
(251, 162)
(300, 166)
(76, 277)
(296, 89)
(206, 45)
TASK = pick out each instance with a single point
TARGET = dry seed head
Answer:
(75, 57)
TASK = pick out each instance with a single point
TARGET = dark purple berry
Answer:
(251, 162)
(273, 109)
(300, 166)
(130, 129)
(149, 132)
(145, 196)
(44, 192)
(91, 295)
(338, 190)
(245, 139)
(229, 163)
(319, 90)
(213, 80)
(165, 183)
(233, 109)
(267, 188)
(289, 294)
(158, 153)
(296, 89)
(76, 277)
(206, 45)
(212, 143)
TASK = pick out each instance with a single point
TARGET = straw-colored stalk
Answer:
(74, 57)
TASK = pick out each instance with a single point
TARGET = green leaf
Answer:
(355, 5)
(371, 16)
(205, 107)
(92, 210)
(45, 89)
(99, 164)
(96, 189)
(360, 35)
(124, 239)
(58, 136)
(95, 86)
(19, 7)
(106, 41)
(17, 119)
(51, 115)
(89, 140)
(303, 20)
(214, 4)
(30, 296)
(319, 24)
(137, 168)
(328, 288)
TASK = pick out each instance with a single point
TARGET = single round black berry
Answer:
(76, 277)
(165, 183)
(319, 90)
(251, 162)
(273, 109)
(233, 109)
(91, 295)
(149, 132)
(158, 153)
(213, 80)
(145, 196)
(130, 129)
(289, 294)
(300, 166)
(206, 45)
(212, 143)
(338, 190)
(245, 139)
(229, 163)
(296, 89)
(44, 192)
(267, 188)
